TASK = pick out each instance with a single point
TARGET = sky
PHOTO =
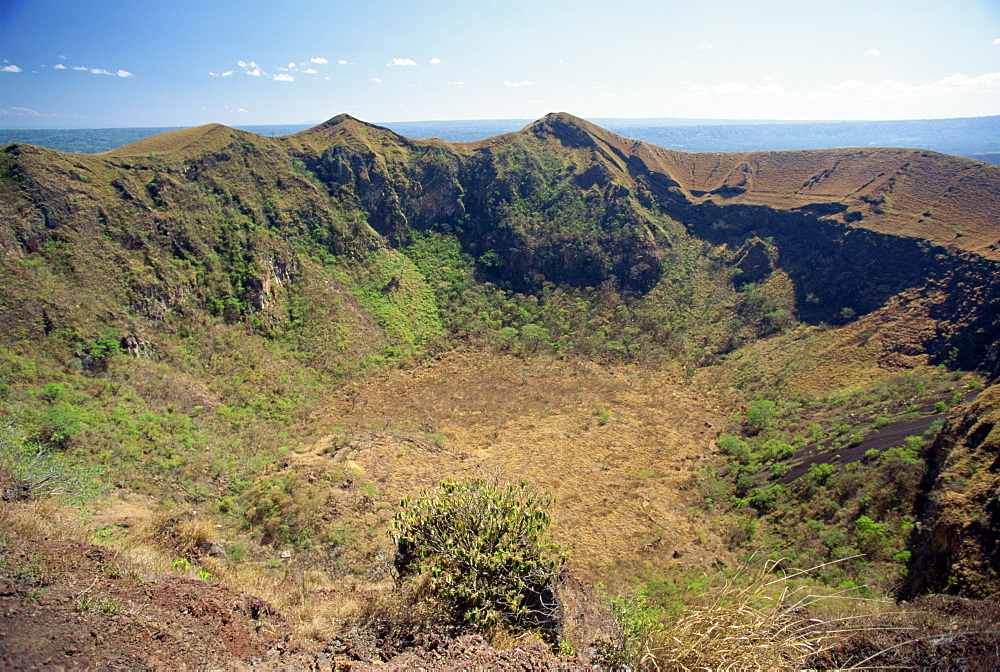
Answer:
(128, 63)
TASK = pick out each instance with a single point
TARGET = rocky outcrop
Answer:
(957, 547)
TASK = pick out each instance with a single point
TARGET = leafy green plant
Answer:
(733, 446)
(639, 619)
(486, 547)
(760, 414)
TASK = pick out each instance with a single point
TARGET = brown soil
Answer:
(71, 605)
(618, 446)
(66, 604)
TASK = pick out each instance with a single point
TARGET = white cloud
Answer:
(250, 68)
(741, 89)
(63, 57)
(873, 52)
(58, 66)
(10, 68)
(435, 60)
(241, 111)
(100, 71)
(376, 80)
(227, 73)
(284, 78)
(319, 60)
(341, 62)
(309, 71)
(707, 45)
(457, 83)
(80, 67)
(291, 66)
(892, 90)
(28, 112)
(958, 81)
(524, 83)
(996, 42)
(123, 73)
(402, 61)
(847, 85)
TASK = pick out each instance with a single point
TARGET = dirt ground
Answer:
(619, 448)
(65, 604)
(70, 605)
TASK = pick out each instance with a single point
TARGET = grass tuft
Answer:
(764, 623)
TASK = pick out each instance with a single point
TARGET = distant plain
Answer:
(972, 137)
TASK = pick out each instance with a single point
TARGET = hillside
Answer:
(972, 137)
(709, 360)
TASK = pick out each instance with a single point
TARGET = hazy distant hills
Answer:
(974, 137)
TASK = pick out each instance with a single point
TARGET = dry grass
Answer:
(410, 607)
(316, 607)
(41, 518)
(762, 624)
(617, 446)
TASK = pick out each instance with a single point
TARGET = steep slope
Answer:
(957, 549)
(943, 199)
(567, 202)
(824, 236)
(946, 200)
(177, 311)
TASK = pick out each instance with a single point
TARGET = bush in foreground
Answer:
(485, 545)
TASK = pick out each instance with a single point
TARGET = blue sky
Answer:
(111, 63)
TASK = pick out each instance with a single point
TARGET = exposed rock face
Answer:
(957, 549)
(755, 260)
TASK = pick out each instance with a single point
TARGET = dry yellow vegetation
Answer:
(618, 446)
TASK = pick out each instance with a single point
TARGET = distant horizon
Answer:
(680, 121)
(974, 137)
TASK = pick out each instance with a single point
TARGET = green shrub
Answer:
(820, 473)
(486, 547)
(735, 447)
(639, 619)
(759, 415)
(763, 499)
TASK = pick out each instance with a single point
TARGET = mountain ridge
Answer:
(290, 334)
(763, 178)
(509, 195)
